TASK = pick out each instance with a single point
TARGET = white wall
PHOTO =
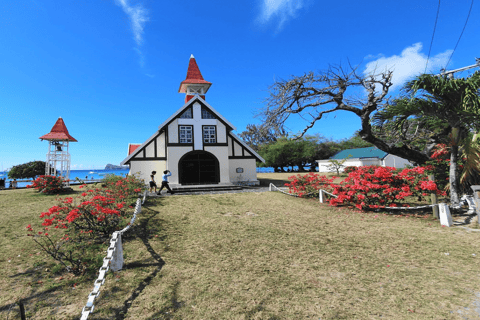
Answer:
(173, 131)
(145, 168)
(249, 174)
(395, 161)
(323, 164)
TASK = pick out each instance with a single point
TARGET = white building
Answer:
(371, 156)
(196, 143)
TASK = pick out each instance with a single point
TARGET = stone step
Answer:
(203, 188)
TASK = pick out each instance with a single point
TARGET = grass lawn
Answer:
(249, 256)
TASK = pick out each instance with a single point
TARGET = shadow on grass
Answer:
(15, 307)
(143, 231)
(168, 311)
(276, 182)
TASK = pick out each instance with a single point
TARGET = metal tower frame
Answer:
(58, 160)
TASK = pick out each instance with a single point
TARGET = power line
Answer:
(464, 26)
(431, 41)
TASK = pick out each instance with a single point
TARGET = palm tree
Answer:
(447, 105)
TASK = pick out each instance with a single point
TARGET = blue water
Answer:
(270, 169)
(90, 175)
(98, 174)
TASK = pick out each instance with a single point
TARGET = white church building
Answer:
(196, 143)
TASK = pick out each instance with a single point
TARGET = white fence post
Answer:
(321, 196)
(445, 216)
(117, 260)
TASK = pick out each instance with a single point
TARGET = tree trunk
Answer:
(454, 198)
(455, 136)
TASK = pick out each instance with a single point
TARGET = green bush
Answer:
(27, 170)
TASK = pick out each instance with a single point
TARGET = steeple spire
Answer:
(194, 84)
(59, 132)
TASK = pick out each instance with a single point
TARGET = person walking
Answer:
(165, 176)
(153, 184)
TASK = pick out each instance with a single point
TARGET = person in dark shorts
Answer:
(165, 176)
(153, 184)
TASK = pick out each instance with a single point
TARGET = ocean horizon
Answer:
(99, 174)
(84, 175)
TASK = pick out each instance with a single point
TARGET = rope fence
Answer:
(444, 215)
(113, 260)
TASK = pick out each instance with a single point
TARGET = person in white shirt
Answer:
(165, 176)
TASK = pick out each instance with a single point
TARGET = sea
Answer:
(85, 175)
(99, 174)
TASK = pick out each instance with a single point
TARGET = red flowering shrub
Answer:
(47, 184)
(373, 187)
(309, 184)
(349, 169)
(90, 217)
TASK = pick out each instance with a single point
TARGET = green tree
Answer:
(446, 109)
(27, 170)
(354, 142)
(289, 153)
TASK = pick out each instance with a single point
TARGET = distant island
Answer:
(114, 167)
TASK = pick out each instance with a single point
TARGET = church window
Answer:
(187, 114)
(206, 114)
(185, 134)
(209, 134)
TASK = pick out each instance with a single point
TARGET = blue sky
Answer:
(112, 68)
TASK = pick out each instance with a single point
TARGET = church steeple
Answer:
(194, 84)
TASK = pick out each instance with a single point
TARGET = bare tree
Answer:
(313, 95)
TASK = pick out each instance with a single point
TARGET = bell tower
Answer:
(58, 158)
(194, 84)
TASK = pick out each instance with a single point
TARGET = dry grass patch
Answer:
(266, 256)
(280, 178)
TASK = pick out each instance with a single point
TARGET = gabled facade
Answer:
(364, 157)
(196, 143)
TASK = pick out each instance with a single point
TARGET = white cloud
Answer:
(410, 63)
(138, 16)
(281, 9)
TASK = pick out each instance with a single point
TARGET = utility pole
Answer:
(449, 74)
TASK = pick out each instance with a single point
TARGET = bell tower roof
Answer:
(194, 82)
(59, 132)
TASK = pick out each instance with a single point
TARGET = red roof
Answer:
(59, 132)
(194, 76)
(132, 147)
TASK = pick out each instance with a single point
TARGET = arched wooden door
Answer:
(199, 167)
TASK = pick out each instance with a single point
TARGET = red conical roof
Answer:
(194, 76)
(59, 132)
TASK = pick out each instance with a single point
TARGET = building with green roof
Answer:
(363, 157)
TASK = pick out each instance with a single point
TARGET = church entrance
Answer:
(198, 167)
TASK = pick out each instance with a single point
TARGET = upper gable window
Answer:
(206, 114)
(187, 114)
